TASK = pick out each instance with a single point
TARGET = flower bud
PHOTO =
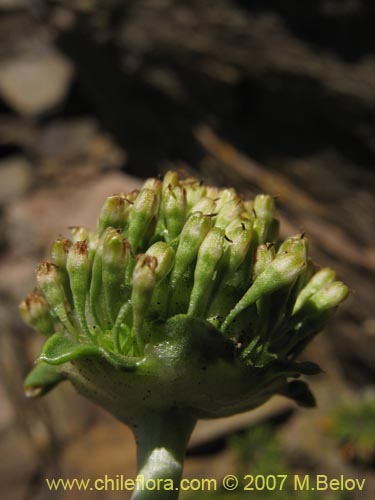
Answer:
(164, 255)
(224, 197)
(83, 234)
(170, 179)
(266, 230)
(270, 310)
(114, 248)
(144, 281)
(194, 192)
(115, 257)
(211, 248)
(232, 271)
(240, 236)
(130, 198)
(144, 277)
(264, 206)
(265, 225)
(49, 281)
(144, 209)
(330, 296)
(205, 205)
(154, 185)
(174, 205)
(59, 252)
(114, 213)
(97, 301)
(282, 271)
(213, 192)
(192, 235)
(322, 278)
(36, 313)
(293, 243)
(79, 233)
(230, 210)
(92, 242)
(249, 207)
(209, 255)
(264, 255)
(79, 268)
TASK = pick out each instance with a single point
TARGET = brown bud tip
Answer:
(33, 306)
(35, 299)
(45, 268)
(63, 244)
(147, 260)
(80, 248)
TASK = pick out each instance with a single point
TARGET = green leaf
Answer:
(60, 349)
(42, 379)
(281, 272)
(307, 368)
(304, 368)
(300, 392)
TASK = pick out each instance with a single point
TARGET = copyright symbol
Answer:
(230, 482)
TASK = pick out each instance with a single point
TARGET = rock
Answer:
(108, 448)
(16, 177)
(71, 143)
(20, 465)
(32, 83)
(47, 213)
(17, 276)
(66, 140)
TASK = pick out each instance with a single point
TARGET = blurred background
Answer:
(265, 96)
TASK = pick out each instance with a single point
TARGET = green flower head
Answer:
(182, 299)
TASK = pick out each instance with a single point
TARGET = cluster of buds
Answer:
(183, 304)
(179, 247)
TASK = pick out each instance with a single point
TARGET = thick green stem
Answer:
(161, 440)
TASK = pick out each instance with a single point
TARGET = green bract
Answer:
(182, 305)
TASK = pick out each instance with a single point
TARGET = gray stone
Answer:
(65, 141)
(16, 177)
(35, 82)
(46, 213)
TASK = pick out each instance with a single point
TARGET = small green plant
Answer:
(259, 452)
(353, 426)
(182, 305)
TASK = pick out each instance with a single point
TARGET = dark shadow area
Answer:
(297, 115)
(273, 114)
(343, 26)
(148, 124)
(219, 443)
(9, 150)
